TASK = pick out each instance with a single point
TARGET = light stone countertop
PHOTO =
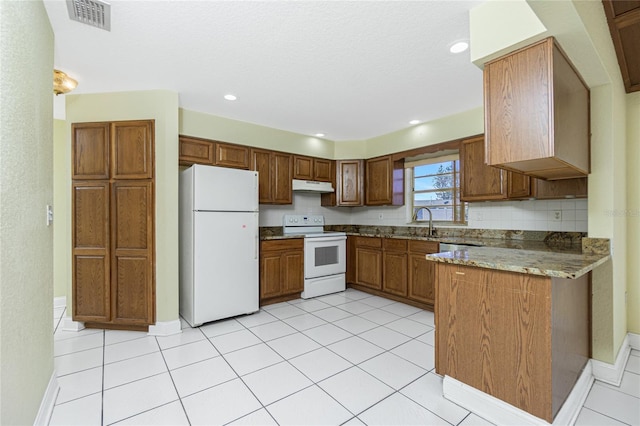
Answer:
(545, 263)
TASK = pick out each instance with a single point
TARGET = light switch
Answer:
(49, 215)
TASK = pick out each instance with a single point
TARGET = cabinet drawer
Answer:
(374, 242)
(424, 246)
(394, 244)
(286, 244)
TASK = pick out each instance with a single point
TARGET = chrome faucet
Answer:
(415, 218)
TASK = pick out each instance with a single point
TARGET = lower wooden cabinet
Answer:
(422, 273)
(368, 262)
(393, 267)
(281, 269)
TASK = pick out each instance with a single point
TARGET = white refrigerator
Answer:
(218, 243)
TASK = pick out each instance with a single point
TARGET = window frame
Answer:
(460, 208)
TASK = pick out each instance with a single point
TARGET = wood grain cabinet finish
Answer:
(230, 155)
(90, 151)
(348, 183)
(275, 171)
(623, 18)
(384, 183)
(195, 151)
(281, 269)
(132, 150)
(422, 273)
(368, 262)
(394, 266)
(311, 168)
(537, 113)
(521, 338)
(479, 182)
(113, 224)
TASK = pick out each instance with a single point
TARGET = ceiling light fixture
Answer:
(412, 122)
(230, 97)
(319, 135)
(62, 83)
(459, 47)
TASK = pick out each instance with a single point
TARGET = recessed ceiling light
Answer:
(320, 135)
(459, 47)
(230, 97)
(414, 121)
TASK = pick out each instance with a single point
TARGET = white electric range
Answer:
(325, 254)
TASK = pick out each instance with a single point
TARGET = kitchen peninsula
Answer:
(515, 324)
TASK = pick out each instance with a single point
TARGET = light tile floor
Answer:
(347, 358)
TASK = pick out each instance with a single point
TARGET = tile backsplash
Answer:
(528, 215)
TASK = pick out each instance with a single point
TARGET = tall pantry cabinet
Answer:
(113, 209)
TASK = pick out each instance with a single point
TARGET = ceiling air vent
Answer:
(91, 12)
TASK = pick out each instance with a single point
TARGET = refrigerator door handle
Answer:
(257, 244)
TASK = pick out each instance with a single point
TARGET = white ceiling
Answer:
(350, 69)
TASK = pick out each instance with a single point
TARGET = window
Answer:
(436, 185)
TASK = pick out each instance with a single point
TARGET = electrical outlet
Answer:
(380, 216)
(557, 215)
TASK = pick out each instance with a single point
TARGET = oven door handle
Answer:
(325, 239)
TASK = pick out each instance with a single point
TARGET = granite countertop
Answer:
(547, 263)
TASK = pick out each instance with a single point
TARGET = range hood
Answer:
(311, 186)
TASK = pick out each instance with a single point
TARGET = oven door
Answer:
(325, 256)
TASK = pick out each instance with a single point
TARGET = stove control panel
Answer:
(302, 220)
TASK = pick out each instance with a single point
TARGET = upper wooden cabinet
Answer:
(537, 113)
(119, 150)
(384, 181)
(309, 168)
(213, 153)
(195, 151)
(480, 182)
(348, 183)
(623, 18)
(274, 176)
(230, 155)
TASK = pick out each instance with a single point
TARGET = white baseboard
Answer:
(48, 401)
(612, 373)
(165, 328)
(501, 413)
(60, 302)
(70, 325)
(634, 341)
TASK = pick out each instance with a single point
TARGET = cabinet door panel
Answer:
(132, 150)
(270, 274)
(90, 150)
(91, 289)
(369, 267)
(479, 181)
(293, 264)
(302, 167)
(282, 191)
(350, 184)
(91, 241)
(195, 151)
(518, 185)
(322, 170)
(421, 278)
(394, 273)
(261, 163)
(132, 251)
(229, 155)
(133, 290)
(378, 181)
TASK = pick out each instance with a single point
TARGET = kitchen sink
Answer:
(456, 246)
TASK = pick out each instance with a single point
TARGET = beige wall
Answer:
(26, 166)
(208, 126)
(633, 209)
(162, 106)
(580, 28)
